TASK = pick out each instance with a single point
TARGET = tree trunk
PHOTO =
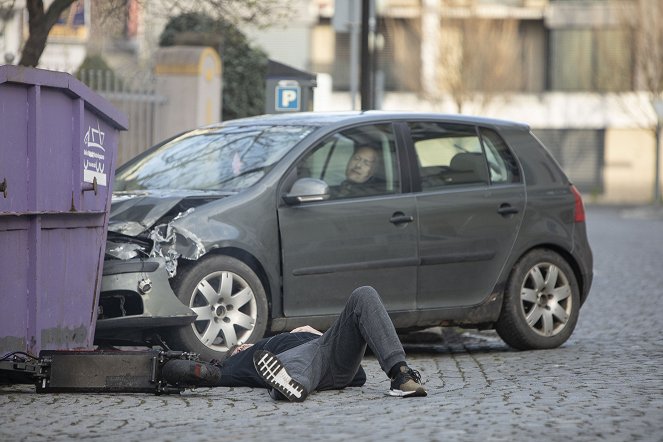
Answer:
(40, 24)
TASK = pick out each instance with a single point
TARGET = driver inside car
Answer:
(360, 175)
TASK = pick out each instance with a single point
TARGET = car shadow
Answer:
(451, 340)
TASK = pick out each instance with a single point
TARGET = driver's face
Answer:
(361, 165)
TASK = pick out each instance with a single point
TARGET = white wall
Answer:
(288, 40)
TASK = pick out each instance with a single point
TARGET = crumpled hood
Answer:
(133, 213)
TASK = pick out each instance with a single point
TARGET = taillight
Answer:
(579, 212)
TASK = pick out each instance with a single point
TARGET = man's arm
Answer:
(306, 329)
(302, 329)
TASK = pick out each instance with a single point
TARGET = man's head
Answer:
(362, 164)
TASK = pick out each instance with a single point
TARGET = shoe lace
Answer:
(414, 374)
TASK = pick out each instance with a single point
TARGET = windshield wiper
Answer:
(246, 172)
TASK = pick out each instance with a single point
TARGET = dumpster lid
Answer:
(280, 70)
(72, 86)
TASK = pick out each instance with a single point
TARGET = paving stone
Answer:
(605, 383)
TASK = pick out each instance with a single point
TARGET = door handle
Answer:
(400, 218)
(507, 209)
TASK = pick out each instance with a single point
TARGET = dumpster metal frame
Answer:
(53, 221)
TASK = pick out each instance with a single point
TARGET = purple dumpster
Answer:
(58, 143)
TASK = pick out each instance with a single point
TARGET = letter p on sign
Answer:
(287, 98)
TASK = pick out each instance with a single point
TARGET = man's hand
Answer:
(306, 329)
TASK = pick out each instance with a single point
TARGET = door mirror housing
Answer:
(306, 190)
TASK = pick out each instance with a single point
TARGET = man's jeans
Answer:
(331, 361)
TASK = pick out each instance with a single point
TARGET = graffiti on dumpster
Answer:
(93, 152)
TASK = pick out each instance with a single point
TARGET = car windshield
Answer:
(226, 159)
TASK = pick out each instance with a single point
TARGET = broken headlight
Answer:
(125, 250)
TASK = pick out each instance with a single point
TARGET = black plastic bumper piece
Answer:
(117, 267)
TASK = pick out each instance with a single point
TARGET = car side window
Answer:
(448, 155)
(356, 162)
(501, 162)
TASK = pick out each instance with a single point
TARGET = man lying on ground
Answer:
(293, 365)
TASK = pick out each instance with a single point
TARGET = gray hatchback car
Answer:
(259, 225)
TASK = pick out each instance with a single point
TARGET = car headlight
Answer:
(125, 250)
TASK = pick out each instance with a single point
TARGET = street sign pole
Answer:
(366, 86)
(658, 107)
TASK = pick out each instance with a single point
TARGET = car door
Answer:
(355, 238)
(470, 204)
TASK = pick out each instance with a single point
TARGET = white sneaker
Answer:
(270, 368)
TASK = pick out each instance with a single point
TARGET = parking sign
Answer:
(288, 97)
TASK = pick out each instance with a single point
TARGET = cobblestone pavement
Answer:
(605, 383)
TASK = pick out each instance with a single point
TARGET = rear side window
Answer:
(502, 165)
(448, 155)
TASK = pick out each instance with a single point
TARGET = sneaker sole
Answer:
(400, 393)
(187, 373)
(270, 368)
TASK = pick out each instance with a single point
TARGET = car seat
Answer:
(467, 167)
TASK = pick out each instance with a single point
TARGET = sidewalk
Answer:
(630, 212)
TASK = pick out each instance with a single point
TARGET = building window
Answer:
(398, 58)
(597, 60)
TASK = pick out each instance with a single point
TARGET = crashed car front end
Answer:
(140, 259)
(177, 204)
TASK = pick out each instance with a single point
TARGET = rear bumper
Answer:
(584, 258)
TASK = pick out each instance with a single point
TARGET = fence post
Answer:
(190, 79)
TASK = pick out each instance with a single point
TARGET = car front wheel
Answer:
(230, 302)
(541, 302)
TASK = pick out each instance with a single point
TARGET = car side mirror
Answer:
(307, 190)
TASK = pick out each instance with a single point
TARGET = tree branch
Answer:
(40, 24)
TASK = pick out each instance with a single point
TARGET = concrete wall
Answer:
(629, 166)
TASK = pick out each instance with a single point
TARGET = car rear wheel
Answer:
(230, 302)
(541, 302)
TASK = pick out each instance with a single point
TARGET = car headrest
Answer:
(470, 163)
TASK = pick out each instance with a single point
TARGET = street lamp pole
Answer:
(366, 75)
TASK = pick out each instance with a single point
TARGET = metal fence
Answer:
(136, 96)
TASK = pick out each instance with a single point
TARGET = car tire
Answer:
(541, 302)
(231, 304)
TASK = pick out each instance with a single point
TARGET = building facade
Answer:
(571, 69)
(577, 71)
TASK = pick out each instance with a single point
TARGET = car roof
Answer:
(350, 117)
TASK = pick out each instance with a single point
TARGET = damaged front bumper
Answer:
(135, 296)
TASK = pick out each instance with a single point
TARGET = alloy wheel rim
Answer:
(546, 299)
(226, 309)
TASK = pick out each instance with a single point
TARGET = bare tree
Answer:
(256, 12)
(650, 68)
(40, 22)
(479, 58)
(465, 56)
(41, 19)
(649, 46)
(643, 19)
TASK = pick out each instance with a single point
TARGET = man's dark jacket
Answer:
(239, 371)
